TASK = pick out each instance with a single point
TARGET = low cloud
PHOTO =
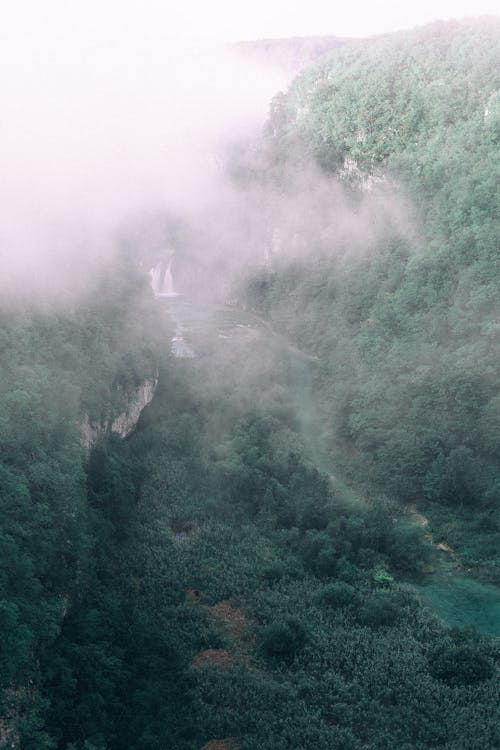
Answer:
(93, 135)
(103, 139)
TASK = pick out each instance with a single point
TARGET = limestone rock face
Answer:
(125, 422)
(90, 432)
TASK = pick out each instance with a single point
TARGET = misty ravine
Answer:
(455, 596)
(249, 405)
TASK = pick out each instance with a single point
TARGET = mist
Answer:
(94, 134)
(107, 136)
(249, 407)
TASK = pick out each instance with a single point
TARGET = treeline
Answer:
(406, 331)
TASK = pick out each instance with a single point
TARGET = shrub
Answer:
(460, 665)
(283, 640)
(337, 595)
(378, 611)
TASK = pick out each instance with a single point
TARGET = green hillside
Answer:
(406, 330)
(241, 571)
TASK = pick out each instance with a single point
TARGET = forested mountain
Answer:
(407, 330)
(59, 370)
(239, 572)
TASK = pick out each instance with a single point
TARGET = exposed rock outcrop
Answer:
(125, 422)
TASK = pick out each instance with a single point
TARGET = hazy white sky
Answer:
(123, 21)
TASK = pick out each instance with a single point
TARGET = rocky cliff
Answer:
(125, 422)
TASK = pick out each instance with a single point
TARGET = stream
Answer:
(461, 600)
(456, 597)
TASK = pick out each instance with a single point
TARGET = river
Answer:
(461, 600)
(456, 597)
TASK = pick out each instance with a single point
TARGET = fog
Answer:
(94, 135)
(104, 137)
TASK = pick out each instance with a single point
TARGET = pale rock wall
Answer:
(125, 422)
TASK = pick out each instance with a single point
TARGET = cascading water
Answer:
(162, 281)
(162, 284)
(154, 275)
(168, 281)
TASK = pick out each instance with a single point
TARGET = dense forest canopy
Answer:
(238, 572)
(408, 333)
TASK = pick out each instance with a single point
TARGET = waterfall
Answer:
(167, 288)
(162, 281)
(162, 284)
(155, 275)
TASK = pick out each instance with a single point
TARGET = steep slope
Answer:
(60, 365)
(406, 329)
(204, 579)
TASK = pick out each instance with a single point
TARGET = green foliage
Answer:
(383, 578)
(338, 595)
(58, 367)
(404, 328)
(460, 665)
(379, 610)
(281, 641)
(15, 648)
(212, 528)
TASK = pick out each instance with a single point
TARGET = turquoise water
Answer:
(461, 600)
(456, 598)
